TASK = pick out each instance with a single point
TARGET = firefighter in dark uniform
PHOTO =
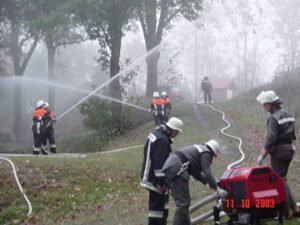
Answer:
(167, 106)
(206, 87)
(194, 160)
(156, 151)
(37, 116)
(279, 142)
(48, 121)
(157, 109)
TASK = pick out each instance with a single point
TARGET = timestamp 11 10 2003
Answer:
(246, 203)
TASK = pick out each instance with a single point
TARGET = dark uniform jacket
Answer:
(206, 86)
(47, 121)
(280, 135)
(156, 151)
(200, 159)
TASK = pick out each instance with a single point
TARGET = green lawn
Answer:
(104, 188)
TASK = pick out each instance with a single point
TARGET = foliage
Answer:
(155, 17)
(99, 117)
(52, 20)
(287, 29)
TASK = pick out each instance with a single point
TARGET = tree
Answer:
(106, 22)
(156, 17)
(287, 28)
(20, 43)
(52, 21)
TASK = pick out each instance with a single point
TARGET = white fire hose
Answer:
(62, 155)
(19, 185)
(213, 197)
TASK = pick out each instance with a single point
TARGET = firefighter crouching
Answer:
(279, 142)
(194, 160)
(157, 109)
(37, 116)
(167, 106)
(156, 150)
(48, 121)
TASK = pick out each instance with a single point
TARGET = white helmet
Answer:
(156, 94)
(214, 146)
(164, 93)
(40, 103)
(267, 97)
(175, 124)
(46, 105)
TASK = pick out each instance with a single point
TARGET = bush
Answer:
(110, 120)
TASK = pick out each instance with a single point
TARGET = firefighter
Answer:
(156, 150)
(157, 109)
(37, 116)
(48, 121)
(206, 87)
(194, 160)
(167, 106)
(279, 141)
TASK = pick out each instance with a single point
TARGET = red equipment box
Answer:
(252, 192)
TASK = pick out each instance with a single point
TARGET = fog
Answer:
(248, 42)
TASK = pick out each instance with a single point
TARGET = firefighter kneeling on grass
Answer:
(156, 151)
(194, 160)
(37, 116)
(48, 121)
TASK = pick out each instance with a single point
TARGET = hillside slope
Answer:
(104, 188)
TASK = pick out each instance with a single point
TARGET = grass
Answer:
(104, 188)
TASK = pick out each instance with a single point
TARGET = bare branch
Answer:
(106, 37)
(29, 54)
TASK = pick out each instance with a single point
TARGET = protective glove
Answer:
(160, 189)
(221, 192)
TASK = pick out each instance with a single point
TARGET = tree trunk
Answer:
(51, 75)
(152, 63)
(16, 55)
(17, 109)
(115, 87)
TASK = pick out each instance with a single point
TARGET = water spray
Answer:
(82, 91)
(126, 69)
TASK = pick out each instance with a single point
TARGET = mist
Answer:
(246, 42)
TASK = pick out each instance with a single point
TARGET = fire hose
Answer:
(19, 185)
(50, 155)
(215, 196)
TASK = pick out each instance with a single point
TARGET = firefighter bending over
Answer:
(194, 160)
(37, 116)
(157, 109)
(206, 87)
(156, 151)
(48, 121)
(167, 106)
(279, 142)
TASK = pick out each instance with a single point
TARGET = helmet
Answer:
(214, 146)
(155, 94)
(175, 124)
(164, 93)
(268, 97)
(40, 103)
(46, 105)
